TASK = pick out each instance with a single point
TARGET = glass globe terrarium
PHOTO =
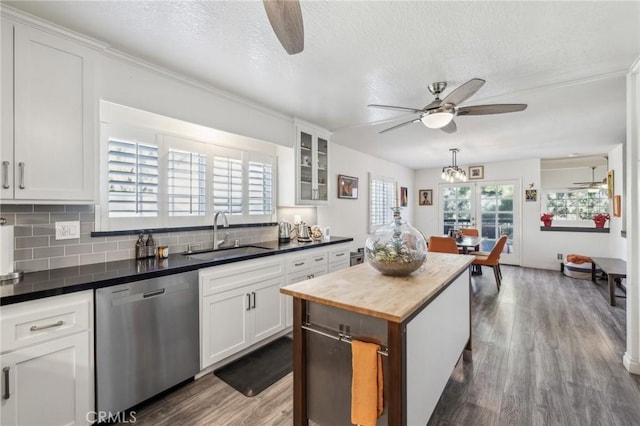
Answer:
(396, 248)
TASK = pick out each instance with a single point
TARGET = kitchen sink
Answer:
(226, 253)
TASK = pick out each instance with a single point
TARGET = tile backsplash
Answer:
(37, 249)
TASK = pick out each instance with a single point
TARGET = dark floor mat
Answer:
(259, 369)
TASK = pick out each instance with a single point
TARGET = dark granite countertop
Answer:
(36, 285)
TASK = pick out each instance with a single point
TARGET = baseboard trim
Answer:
(633, 366)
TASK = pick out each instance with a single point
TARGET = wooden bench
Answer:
(615, 269)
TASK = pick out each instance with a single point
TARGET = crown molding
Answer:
(107, 51)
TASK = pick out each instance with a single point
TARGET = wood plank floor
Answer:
(547, 350)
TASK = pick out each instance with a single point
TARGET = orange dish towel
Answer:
(578, 258)
(366, 383)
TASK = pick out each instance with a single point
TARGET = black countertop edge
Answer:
(574, 229)
(176, 229)
(54, 282)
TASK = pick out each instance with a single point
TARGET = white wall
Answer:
(617, 244)
(150, 90)
(539, 249)
(349, 218)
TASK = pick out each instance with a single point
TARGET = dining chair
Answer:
(493, 259)
(443, 245)
(470, 232)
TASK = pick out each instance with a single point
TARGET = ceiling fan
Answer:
(285, 17)
(592, 186)
(439, 113)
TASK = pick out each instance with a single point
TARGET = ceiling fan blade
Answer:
(464, 92)
(397, 126)
(435, 104)
(395, 108)
(450, 128)
(285, 17)
(491, 109)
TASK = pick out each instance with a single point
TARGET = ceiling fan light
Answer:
(437, 119)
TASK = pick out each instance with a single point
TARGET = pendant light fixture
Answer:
(453, 172)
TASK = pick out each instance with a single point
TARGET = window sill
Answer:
(574, 229)
(176, 229)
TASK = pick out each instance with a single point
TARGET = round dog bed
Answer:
(579, 270)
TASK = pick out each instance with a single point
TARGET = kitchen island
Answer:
(421, 321)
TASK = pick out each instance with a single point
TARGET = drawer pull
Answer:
(44, 327)
(7, 393)
(298, 264)
(319, 259)
(248, 302)
(340, 254)
(253, 305)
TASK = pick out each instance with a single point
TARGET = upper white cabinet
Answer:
(304, 173)
(49, 153)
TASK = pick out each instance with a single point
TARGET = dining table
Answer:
(468, 243)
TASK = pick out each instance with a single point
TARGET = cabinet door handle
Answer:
(253, 306)
(248, 302)
(340, 254)
(298, 264)
(21, 167)
(7, 393)
(5, 174)
(319, 259)
(44, 327)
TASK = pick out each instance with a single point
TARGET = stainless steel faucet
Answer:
(217, 243)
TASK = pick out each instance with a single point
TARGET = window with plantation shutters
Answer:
(227, 184)
(186, 185)
(260, 188)
(132, 179)
(381, 199)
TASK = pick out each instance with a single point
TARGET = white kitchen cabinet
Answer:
(339, 257)
(49, 153)
(303, 175)
(308, 264)
(240, 306)
(47, 361)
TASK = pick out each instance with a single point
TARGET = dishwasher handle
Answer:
(153, 293)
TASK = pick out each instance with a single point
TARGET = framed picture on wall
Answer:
(530, 195)
(347, 187)
(404, 196)
(476, 172)
(610, 187)
(425, 197)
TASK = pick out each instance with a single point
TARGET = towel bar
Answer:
(340, 337)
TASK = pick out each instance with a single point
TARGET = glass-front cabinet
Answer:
(312, 162)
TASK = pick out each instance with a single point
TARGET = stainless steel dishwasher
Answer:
(147, 339)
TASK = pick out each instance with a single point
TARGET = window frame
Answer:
(165, 142)
(389, 188)
(571, 222)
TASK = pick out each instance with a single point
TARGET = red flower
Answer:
(601, 217)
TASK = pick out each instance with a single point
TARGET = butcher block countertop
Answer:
(364, 290)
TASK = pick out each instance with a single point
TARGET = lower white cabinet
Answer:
(306, 265)
(240, 305)
(48, 380)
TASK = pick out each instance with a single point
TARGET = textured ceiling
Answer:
(565, 59)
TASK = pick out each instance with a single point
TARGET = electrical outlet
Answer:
(67, 230)
(560, 256)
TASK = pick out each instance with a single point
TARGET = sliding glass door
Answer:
(491, 207)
